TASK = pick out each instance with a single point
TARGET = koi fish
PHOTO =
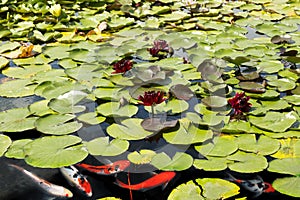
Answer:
(77, 180)
(162, 178)
(108, 169)
(48, 187)
(257, 186)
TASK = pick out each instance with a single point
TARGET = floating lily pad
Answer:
(55, 151)
(264, 145)
(16, 120)
(187, 190)
(207, 119)
(215, 188)
(188, 133)
(104, 147)
(16, 150)
(128, 129)
(289, 148)
(143, 156)
(156, 124)
(283, 84)
(17, 88)
(289, 186)
(58, 124)
(293, 99)
(214, 101)
(182, 92)
(247, 162)
(91, 118)
(5, 142)
(172, 106)
(252, 87)
(237, 126)
(115, 109)
(211, 163)
(270, 105)
(179, 162)
(285, 166)
(3, 62)
(274, 121)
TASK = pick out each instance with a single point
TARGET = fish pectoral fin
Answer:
(164, 185)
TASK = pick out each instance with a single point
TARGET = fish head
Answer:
(118, 166)
(85, 186)
(268, 187)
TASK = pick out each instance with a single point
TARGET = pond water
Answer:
(201, 88)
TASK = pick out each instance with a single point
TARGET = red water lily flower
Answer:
(152, 98)
(240, 103)
(122, 66)
(159, 46)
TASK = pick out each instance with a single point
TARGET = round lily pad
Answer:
(285, 166)
(115, 109)
(55, 151)
(58, 124)
(289, 186)
(188, 133)
(247, 162)
(264, 145)
(274, 121)
(16, 149)
(104, 147)
(179, 162)
(211, 163)
(128, 129)
(5, 142)
(289, 148)
(17, 88)
(91, 118)
(283, 84)
(214, 101)
(187, 190)
(143, 156)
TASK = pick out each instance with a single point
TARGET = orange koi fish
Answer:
(162, 178)
(108, 169)
(48, 187)
(77, 180)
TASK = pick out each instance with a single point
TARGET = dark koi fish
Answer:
(257, 186)
(162, 178)
(48, 187)
(108, 169)
(77, 180)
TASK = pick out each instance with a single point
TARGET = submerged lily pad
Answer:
(104, 147)
(55, 151)
(179, 162)
(5, 142)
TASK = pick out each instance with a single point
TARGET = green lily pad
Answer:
(16, 120)
(207, 119)
(5, 142)
(91, 118)
(25, 71)
(16, 150)
(211, 163)
(268, 95)
(285, 166)
(128, 129)
(264, 145)
(215, 188)
(214, 101)
(40, 108)
(237, 126)
(58, 124)
(17, 88)
(66, 103)
(115, 109)
(220, 146)
(102, 146)
(270, 105)
(247, 162)
(187, 190)
(187, 133)
(55, 151)
(289, 186)
(274, 121)
(173, 106)
(293, 99)
(283, 84)
(3, 62)
(143, 156)
(179, 162)
(252, 87)
(270, 66)
(289, 148)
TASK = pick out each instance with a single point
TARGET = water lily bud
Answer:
(55, 10)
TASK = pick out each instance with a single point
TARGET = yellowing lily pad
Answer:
(143, 156)
(187, 190)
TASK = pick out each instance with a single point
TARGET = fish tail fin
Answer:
(230, 177)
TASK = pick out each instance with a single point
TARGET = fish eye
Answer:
(117, 167)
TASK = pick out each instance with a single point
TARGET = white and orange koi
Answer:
(77, 180)
(50, 188)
